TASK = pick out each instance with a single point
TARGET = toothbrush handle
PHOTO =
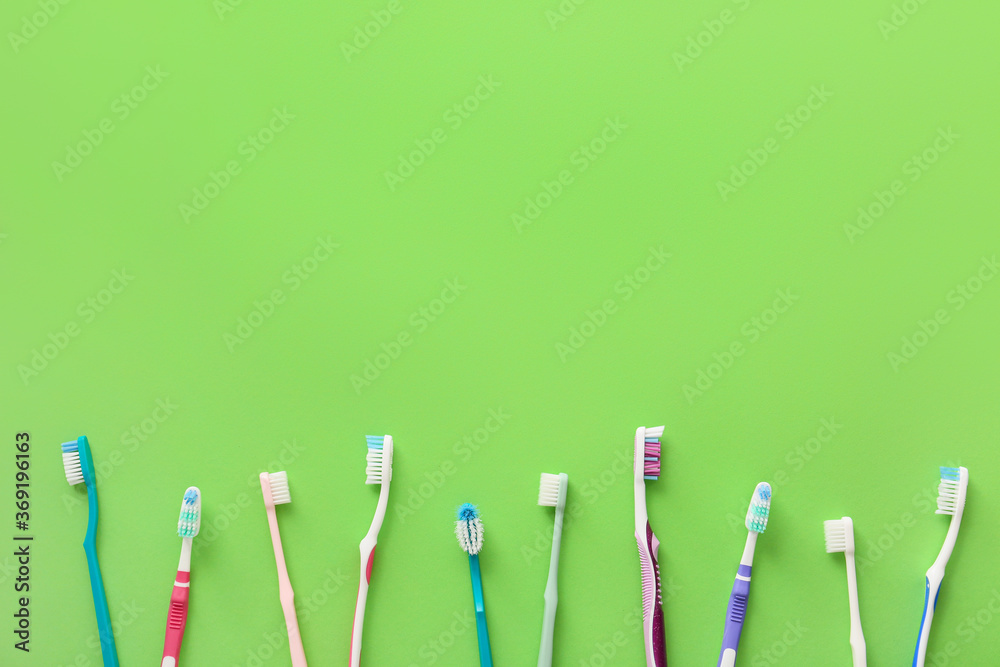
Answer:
(652, 599)
(176, 619)
(367, 560)
(108, 650)
(551, 596)
(291, 621)
(735, 615)
(858, 648)
(548, 626)
(930, 603)
(285, 593)
(485, 655)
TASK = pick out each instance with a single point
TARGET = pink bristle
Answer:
(652, 455)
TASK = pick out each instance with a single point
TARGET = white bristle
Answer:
(951, 490)
(379, 458)
(654, 431)
(835, 534)
(548, 490)
(279, 487)
(470, 535)
(71, 465)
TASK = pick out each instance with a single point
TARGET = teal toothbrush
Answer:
(79, 466)
(469, 530)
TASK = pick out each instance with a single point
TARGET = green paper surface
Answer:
(240, 236)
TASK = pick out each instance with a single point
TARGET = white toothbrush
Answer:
(951, 500)
(378, 471)
(552, 493)
(839, 536)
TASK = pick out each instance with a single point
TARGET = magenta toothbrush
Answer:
(647, 466)
(187, 528)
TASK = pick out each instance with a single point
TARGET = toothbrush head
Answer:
(552, 490)
(379, 459)
(952, 490)
(760, 507)
(190, 520)
(647, 453)
(275, 488)
(469, 529)
(71, 462)
(78, 463)
(839, 535)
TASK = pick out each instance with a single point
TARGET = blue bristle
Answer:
(765, 493)
(650, 477)
(950, 473)
(190, 497)
(71, 446)
(467, 512)
(374, 441)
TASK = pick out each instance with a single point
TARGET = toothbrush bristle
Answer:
(279, 487)
(469, 529)
(548, 490)
(835, 535)
(189, 522)
(950, 492)
(379, 469)
(651, 453)
(760, 508)
(71, 462)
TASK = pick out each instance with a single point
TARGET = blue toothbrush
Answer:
(79, 467)
(469, 530)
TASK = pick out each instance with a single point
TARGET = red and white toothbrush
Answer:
(187, 528)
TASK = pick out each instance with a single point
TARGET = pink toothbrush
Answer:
(275, 489)
(187, 528)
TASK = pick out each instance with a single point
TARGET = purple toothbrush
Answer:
(760, 506)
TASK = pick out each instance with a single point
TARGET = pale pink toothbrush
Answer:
(275, 489)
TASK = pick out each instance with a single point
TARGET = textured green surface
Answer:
(543, 216)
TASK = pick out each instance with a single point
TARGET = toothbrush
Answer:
(756, 522)
(647, 467)
(275, 489)
(951, 500)
(469, 529)
(839, 537)
(79, 467)
(187, 528)
(379, 471)
(552, 493)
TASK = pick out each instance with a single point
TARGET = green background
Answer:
(501, 345)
